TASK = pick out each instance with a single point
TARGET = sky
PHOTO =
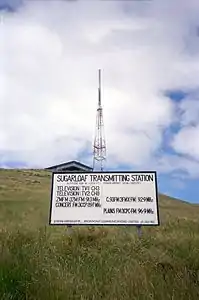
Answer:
(148, 51)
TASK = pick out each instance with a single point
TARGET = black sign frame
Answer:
(107, 172)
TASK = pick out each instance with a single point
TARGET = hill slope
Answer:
(25, 199)
(42, 262)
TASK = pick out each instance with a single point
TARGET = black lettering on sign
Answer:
(145, 211)
(74, 199)
(72, 193)
(150, 211)
(95, 188)
(96, 199)
(86, 193)
(126, 210)
(81, 199)
(64, 204)
(85, 188)
(95, 193)
(143, 177)
(61, 199)
(68, 188)
(71, 178)
(145, 199)
(75, 204)
(109, 210)
(109, 178)
(120, 199)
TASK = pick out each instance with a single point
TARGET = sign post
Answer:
(139, 230)
(104, 198)
(69, 229)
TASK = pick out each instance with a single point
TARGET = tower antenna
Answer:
(99, 147)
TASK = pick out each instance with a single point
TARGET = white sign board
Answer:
(106, 198)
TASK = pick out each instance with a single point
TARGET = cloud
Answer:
(178, 166)
(52, 52)
(189, 110)
(186, 141)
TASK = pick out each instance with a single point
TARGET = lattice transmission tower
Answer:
(99, 146)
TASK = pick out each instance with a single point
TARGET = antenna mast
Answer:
(99, 147)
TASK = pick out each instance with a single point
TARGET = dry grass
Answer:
(42, 262)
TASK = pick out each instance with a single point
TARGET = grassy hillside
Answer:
(42, 262)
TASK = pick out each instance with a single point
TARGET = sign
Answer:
(104, 198)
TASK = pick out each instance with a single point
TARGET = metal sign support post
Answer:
(139, 230)
(69, 230)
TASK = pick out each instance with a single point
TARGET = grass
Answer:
(42, 262)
